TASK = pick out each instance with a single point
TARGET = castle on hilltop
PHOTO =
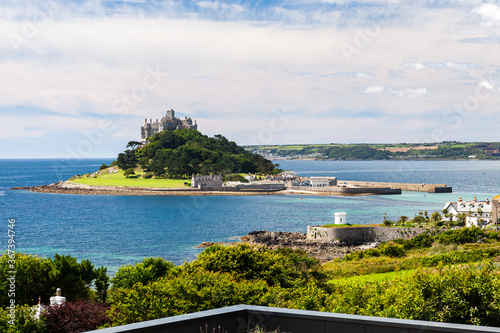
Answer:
(169, 122)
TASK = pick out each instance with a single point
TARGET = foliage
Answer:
(282, 267)
(392, 250)
(418, 242)
(466, 294)
(184, 292)
(42, 276)
(126, 160)
(147, 175)
(183, 152)
(149, 270)
(78, 316)
(128, 172)
(24, 321)
(102, 167)
(355, 152)
(443, 150)
(461, 236)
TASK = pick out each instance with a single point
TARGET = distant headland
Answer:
(447, 150)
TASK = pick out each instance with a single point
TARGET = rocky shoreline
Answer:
(323, 251)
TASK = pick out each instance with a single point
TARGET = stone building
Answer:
(204, 180)
(323, 181)
(169, 122)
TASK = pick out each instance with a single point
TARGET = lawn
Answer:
(118, 179)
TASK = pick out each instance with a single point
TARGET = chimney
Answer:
(145, 121)
(487, 201)
(150, 121)
(460, 199)
(58, 299)
(475, 199)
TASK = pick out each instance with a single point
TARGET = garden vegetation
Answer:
(450, 277)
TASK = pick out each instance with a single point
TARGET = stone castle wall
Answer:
(358, 235)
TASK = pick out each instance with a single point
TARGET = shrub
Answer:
(147, 175)
(24, 321)
(184, 292)
(283, 267)
(41, 276)
(418, 242)
(78, 316)
(102, 167)
(392, 250)
(363, 254)
(461, 236)
(128, 172)
(440, 248)
(494, 235)
(149, 270)
(418, 219)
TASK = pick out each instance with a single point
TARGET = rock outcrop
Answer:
(323, 251)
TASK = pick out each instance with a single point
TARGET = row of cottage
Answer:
(285, 180)
(477, 213)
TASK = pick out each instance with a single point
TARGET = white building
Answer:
(479, 213)
(323, 181)
(340, 218)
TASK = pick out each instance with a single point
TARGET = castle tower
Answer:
(171, 114)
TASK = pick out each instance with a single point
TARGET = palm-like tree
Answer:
(403, 219)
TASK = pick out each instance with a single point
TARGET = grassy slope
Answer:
(375, 277)
(118, 179)
(381, 268)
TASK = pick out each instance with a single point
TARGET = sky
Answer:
(79, 78)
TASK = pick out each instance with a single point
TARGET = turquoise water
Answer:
(118, 230)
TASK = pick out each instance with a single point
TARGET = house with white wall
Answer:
(479, 213)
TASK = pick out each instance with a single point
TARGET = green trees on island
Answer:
(181, 153)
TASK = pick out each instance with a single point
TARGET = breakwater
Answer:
(429, 188)
(339, 190)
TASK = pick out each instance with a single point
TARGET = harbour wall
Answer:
(430, 188)
(342, 190)
(358, 235)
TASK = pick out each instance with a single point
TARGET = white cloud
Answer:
(410, 92)
(441, 65)
(374, 90)
(486, 84)
(414, 65)
(489, 11)
(405, 92)
(216, 5)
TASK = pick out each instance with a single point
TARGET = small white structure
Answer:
(58, 299)
(340, 217)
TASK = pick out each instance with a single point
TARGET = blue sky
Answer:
(78, 78)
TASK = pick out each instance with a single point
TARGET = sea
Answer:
(121, 230)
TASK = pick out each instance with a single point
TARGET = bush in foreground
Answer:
(78, 316)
